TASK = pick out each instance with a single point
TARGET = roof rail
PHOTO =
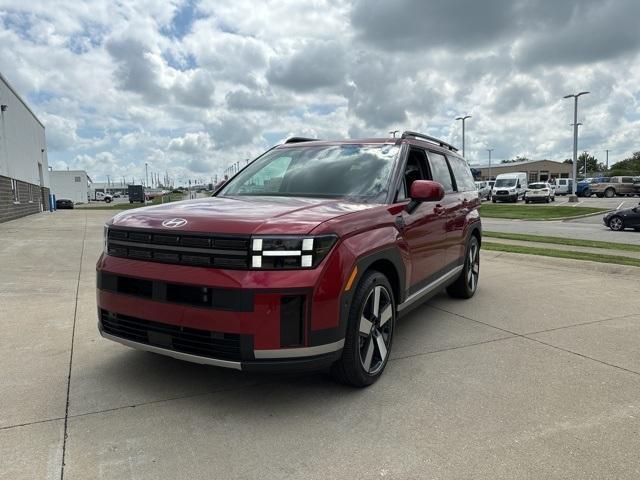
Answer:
(299, 140)
(421, 136)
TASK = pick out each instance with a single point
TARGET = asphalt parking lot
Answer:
(538, 376)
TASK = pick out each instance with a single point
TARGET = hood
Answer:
(240, 215)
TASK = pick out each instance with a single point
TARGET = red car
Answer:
(303, 260)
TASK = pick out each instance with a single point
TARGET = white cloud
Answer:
(121, 84)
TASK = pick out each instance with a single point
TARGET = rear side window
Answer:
(440, 171)
(462, 174)
(627, 180)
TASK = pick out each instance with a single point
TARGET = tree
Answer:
(592, 164)
(519, 158)
(628, 166)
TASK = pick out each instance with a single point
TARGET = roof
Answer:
(370, 141)
(6, 82)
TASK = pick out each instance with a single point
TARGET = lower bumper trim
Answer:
(172, 353)
(303, 359)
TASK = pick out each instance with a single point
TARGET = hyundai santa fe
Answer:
(304, 259)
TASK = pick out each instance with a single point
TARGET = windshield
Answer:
(537, 186)
(334, 171)
(505, 182)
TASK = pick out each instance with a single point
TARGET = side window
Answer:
(440, 171)
(415, 169)
(268, 179)
(462, 174)
(627, 180)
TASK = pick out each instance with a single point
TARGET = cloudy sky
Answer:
(193, 86)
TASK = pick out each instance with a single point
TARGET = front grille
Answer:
(203, 343)
(191, 249)
(502, 192)
(232, 299)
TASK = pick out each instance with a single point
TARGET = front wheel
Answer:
(369, 332)
(467, 283)
(609, 193)
(616, 224)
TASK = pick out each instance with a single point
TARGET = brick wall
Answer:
(30, 196)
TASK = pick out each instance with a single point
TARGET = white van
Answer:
(564, 186)
(509, 187)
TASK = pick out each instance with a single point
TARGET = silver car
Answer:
(484, 190)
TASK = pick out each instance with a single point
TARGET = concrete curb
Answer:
(562, 264)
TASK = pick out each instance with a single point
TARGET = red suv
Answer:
(303, 260)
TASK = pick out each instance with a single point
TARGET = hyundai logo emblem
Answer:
(174, 222)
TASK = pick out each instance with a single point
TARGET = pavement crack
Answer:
(27, 424)
(583, 324)
(524, 336)
(73, 334)
(453, 348)
(582, 355)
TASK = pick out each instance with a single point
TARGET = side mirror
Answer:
(424, 191)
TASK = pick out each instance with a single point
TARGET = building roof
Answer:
(515, 164)
(13, 90)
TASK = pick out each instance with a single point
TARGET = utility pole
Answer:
(575, 96)
(463, 133)
(490, 150)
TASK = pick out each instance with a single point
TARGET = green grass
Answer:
(563, 241)
(549, 252)
(535, 212)
(172, 197)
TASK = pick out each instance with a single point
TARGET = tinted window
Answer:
(627, 180)
(462, 174)
(440, 171)
(360, 171)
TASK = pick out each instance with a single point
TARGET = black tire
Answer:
(526, 201)
(616, 223)
(466, 284)
(548, 199)
(362, 361)
(609, 193)
(493, 200)
(586, 194)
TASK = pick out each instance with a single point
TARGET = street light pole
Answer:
(146, 174)
(575, 142)
(607, 159)
(463, 132)
(490, 150)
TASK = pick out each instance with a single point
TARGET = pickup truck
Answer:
(615, 186)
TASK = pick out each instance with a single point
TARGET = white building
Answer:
(70, 185)
(24, 176)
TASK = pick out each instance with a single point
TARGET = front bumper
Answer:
(506, 197)
(249, 320)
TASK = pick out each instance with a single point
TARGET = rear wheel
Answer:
(369, 332)
(467, 283)
(616, 224)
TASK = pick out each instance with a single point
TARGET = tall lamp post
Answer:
(146, 174)
(463, 119)
(490, 150)
(575, 96)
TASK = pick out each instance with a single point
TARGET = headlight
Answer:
(104, 240)
(289, 252)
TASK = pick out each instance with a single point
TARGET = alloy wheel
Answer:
(473, 266)
(376, 328)
(615, 223)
